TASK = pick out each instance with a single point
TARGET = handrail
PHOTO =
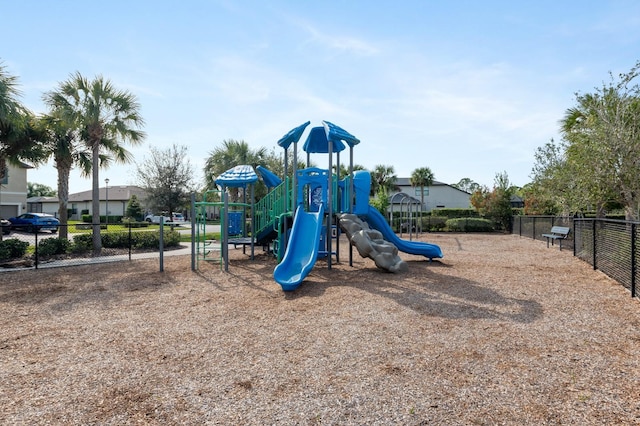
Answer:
(272, 205)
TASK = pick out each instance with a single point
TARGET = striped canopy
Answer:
(237, 177)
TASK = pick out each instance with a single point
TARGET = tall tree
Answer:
(495, 204)
(104, 117)
(167, 177)
(421, 177)
(40, 190)
(602, 133)
(466, 185)
(230, 154)
(383, 176)
(552, 188)
(19, 139)
(61, 142)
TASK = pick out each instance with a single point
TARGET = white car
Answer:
(156, 219)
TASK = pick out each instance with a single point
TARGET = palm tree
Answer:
(232, 153)
(18, 137)
(104, 117)
(421, 177)
(383, 177)
(61, 141)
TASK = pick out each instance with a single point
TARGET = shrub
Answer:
(115, 240)
(139, 240)
(151, 240)
(470, 225)
(82, 243)
(12, 248)
(132, 223)
(53, 246)
(434, 223)
(455, 213)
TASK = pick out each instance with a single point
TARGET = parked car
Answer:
(6, 226)
(152, 218)
(35, 222)
(178, 217)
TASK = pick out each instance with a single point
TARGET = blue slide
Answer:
(302, 251)
(378, 222)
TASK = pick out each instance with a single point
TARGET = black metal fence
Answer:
(606, 244)
(26, 247)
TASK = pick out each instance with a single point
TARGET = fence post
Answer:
(35, 236)
(192, 214)
(520, 225)
(161, 242)
(593, 230)
(633, 260)
(573, 221)
(534, 228)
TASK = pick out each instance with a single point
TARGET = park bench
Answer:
(557, 233)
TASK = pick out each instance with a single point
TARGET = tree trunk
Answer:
(95, 199)
(63, 199)
(3, 171)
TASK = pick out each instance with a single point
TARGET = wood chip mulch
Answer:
(500, 331)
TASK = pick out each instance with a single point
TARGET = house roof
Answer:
(116, 193)
(407, 182)
(42, 200)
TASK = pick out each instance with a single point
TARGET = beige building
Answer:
(438, 195)
(113, 198)
(13, 191)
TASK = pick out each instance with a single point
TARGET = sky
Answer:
(467, 88)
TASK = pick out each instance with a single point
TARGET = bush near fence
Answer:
(470, 224)
(87, 218)
(12, 249)
(44, 246)
(455, 213)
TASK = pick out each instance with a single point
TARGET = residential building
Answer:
(47, 205)
(13, 190)
(437, 195)
(113, 200)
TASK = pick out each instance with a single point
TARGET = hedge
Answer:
(139, 240)
(12, 248)
(470, 225)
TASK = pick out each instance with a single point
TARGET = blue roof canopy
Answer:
(268, 177)
(337, 133)
(293, 135)
(237, 177)
(317, 142)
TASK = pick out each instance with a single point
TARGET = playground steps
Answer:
(269, 211)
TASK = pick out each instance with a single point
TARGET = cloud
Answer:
(335, 42)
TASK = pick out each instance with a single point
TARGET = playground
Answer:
(301, 218)
(500, 331)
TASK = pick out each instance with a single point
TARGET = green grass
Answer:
(184, 238)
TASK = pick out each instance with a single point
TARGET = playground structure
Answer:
(406, 219)
(299, 218)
